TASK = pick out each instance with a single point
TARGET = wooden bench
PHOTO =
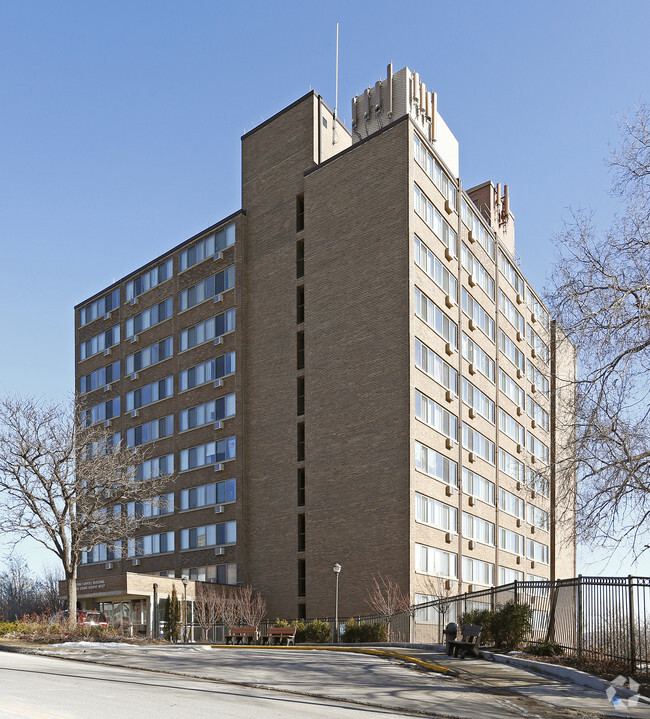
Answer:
(242, 635)
(469, 642)
(276, 635)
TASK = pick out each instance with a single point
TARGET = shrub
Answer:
(318, 632)
(14, 628)
(510, 624)
(301, 630)
(545, 649)
(364, 632)
(281, 623)
(482, 617)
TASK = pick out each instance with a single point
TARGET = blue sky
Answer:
(120, 127)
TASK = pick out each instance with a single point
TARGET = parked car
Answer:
(90, 618)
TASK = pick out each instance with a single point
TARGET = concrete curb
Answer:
(556, 671)
(346, 648)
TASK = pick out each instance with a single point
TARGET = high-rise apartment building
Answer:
(350, 369)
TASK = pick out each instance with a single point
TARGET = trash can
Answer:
(450, 632)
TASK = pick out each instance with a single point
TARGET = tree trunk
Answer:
(71, 581)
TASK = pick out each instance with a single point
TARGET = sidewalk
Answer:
(481, 689)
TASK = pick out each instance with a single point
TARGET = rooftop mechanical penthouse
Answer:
(349, 369)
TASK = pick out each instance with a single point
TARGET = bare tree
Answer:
(49, 589)
(601, 295)
(445, 592)
(252, 606)
(208, 605)
(66, 482)
(230, 609)
(387, 599)
(19, 591)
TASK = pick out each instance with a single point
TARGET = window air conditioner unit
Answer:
(471, 457)
(520, 374)
(449, 254)
(218, 383)
(134, 339)
(532, 530)
(107, 388)
(449, 301)
(450, 537)
(533, 423)
(218, 425)
(448, 208)
(520, 560)
(470, 587)
(449, 443)
(533, 494)
(449, 348)
(136, 562)
(472, 501)
(449, 396)
(518, 486)
(533, 458)
(134, 413)
(470, 237)
(472, 413)
(217, 340)
(471, 280)
(134, 301)
(472, 326)
(107, 423)
(519, 522)
(532, 564)
(219, 551)
(533, 352)
(107, 316)
(449, 490)
(108, 565)
(520, 337)
(218, 509)
(472, 368)
(520, 411)
(107, 352)
(470, 544)
(532, 317)
(533, 388)
(449, 583)
(520, 449)
(218, 467)
(216, 256)
(216, 299)
(520, 299)
(134, 376)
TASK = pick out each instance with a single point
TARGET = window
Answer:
(536, 482)
(511, 389)
(302, 578)
(101, 412)
(478, 572)
(511, 427)
(301, 532)
(536, 551)
(432, 315)
(209, 246)
(300, 259)
(435, 465)
(508, 270)
(537, 308)
(207, 495)
(537, 413)
(511, 504)
(431, 615)
(477, 314)
(478, 401)
(537, 448)
(99, 343)
(99, 308)
(207, 454)
(103, 553)
(537, 378)
(300, 213)
(437, 417)
(478, 357)
(511, 351)
(100, 377)
(479, 275)
(209, 371)
(216, 574)
(429, 560)
(511, 466)
(511, 542)
(300, 396)
(300, 350)
(478, 444)
(510, 312)
(433, 365)
(213, 286)
(425, 259)
(154, 277)
(300, 442)
(508, 576)
(215, 410)
(476, 227)
(478, 487)
(151, 355)
(537, 517)
(209, 535)
(207, 330)
(478, 529)
(150, 432)
(300, 304)
(434, 170)
(425, 209)
(536, 343)
(301, 487)
(151, 544)
(150, 393)
(155, 467)
(149, 317)
(435, 514)
(155, 507)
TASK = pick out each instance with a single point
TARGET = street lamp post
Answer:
(337, 570)
(185, 581)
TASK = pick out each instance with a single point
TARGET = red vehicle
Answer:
(90, 618)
